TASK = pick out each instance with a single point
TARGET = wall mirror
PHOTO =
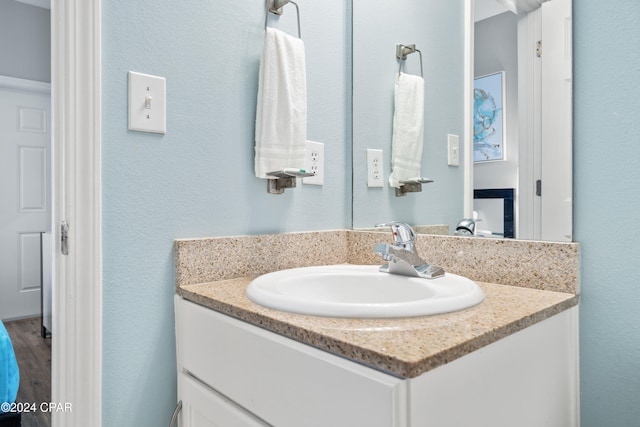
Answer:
(529, 43)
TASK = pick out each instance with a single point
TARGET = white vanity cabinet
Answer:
(280, 381)
(231, 373)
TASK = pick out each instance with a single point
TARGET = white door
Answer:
(556, 158)
(25, 198)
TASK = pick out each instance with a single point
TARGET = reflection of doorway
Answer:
(496, 52)
(556, 171)
(534, 50)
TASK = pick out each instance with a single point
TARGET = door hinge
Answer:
(539, 48)
(64, 238)
(539, 188)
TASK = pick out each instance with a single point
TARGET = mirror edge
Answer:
(468, 109)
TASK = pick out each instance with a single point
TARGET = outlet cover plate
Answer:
(375, 169)
(314, 162)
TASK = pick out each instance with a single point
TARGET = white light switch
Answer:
(147, 103)
(453, 145)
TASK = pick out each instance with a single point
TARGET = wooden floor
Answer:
(34, 360)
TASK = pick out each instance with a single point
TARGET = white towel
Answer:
(408, 124)
(281, 114)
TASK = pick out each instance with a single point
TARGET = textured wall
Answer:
(607, 201)
(197, 180)
(25, 41)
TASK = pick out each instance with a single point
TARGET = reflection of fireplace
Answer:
(508, 210)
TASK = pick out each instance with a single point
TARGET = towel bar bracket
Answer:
(284, 179)
(402, 51)
(276, 7)
(411, 186)
(277, 186)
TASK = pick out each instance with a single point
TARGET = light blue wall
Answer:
(437, 29)
(607, 202)
(197, 180)
(25, 41)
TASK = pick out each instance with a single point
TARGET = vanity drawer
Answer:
(282, 381)
(203, 407)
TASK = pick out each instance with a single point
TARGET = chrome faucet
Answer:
(403, 257)
(466, 227)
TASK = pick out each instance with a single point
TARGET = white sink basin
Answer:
(361, 291)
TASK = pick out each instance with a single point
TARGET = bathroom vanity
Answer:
(512, 360)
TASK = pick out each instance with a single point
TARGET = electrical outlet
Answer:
(375, 169)
(453, 144)
(314, 163)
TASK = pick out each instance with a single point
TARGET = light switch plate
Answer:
(453, 146)
(147, 103)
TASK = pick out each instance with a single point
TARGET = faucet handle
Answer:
(403, 234)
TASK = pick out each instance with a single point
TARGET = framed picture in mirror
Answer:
(488, 118)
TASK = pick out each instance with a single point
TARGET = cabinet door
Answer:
(528, 379)
(203, 407)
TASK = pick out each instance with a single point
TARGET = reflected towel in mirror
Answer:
(281, 113)
(408, 124)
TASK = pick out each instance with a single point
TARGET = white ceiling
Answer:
(484, 9)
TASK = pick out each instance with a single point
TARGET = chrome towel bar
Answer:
(401, 53)
(275, 7)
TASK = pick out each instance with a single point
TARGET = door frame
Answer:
(76, 362)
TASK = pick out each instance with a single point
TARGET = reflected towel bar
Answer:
(401, 53)
(275, 7)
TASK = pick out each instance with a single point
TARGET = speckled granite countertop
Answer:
(402, 347)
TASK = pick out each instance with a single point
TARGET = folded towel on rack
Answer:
(9, 373)
(281, 114)
(408, 124)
